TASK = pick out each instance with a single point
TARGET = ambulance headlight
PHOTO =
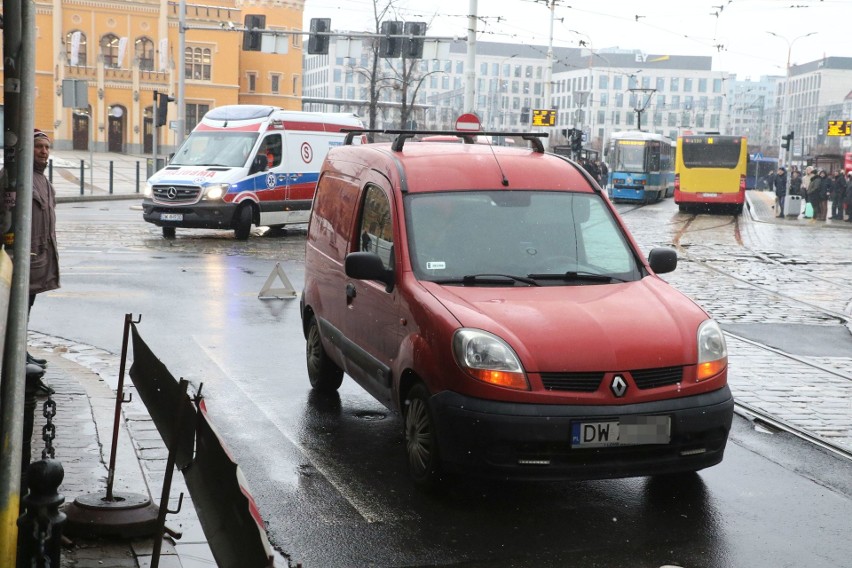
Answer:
(215, 192)
(148, 191)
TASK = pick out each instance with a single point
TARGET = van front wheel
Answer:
(420, 438)
(323, 373)
(242, 223)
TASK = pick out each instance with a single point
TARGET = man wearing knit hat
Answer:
(44, 257)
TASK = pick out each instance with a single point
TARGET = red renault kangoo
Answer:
(493, 297)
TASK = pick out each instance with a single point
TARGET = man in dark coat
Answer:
(838, 192)
(780, 183)
(44, 257)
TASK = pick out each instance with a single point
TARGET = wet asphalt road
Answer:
(329, 475)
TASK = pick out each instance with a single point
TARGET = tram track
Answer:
(815, 380)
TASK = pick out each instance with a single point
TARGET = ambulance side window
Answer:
(272, 146)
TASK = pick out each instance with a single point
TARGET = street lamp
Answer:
(784, 116)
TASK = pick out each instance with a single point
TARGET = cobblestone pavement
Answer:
(85, 379)
(760, 270)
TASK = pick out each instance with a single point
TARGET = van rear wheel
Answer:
(242, 223)
(421, 442)
(324, 374)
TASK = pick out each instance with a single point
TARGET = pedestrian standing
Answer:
(795, 182)
(847, 201)
(821, 213)
(780, 183)
(44, 255)
(838, 192)
(811, 189)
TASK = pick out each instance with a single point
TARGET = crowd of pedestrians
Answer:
(817, 188)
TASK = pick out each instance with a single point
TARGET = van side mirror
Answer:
(662, 260)
(258, 164)
(368, 266)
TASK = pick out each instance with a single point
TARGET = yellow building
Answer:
(122, 51)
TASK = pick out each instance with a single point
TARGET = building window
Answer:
(717, 85)
(194, 114)
(75, 48)
(275, 81)
(674, 86)
(109, 50)
(145, 53)
(661, 84)
(687, 85)
(197, 62)
(296, 84)
(252, 82)
(616, 82)
(251, 42)
(603, 82)
(296, 40)
(702, 85)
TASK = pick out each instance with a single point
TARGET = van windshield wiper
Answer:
(576, 276)
(474, 279)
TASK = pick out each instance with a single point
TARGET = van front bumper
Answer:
(534, 440)
(202, 215)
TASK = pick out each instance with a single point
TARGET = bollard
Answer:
(82, 177)
(34, 374)
(137, 176)
(50, 170)
(110, 177)
(40, 526)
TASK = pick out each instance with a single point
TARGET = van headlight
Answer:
(216, 192)
(486, 357)
(148, 191)
(712, 350)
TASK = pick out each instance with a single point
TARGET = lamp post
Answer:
(785, 123)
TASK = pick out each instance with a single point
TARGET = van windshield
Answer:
(216, 148)
(552, 237)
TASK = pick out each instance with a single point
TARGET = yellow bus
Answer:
(710, 170)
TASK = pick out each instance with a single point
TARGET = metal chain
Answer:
(48, 431)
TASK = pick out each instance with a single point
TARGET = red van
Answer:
(494, 298)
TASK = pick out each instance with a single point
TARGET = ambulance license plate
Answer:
(709, 195)
(171, 216)
(626, 431)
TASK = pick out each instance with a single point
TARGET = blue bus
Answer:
(758, 170)
(641, 166)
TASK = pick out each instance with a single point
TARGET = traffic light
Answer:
(318, 44)
(252, 38)
(390, 47)
(788, 141)
(577, 140)
(162, 101)
(412, 47)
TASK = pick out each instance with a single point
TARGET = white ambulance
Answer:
(244, 165)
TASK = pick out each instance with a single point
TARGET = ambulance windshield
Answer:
(216, 148)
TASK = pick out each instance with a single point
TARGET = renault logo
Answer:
(618, 386)
(171, 193)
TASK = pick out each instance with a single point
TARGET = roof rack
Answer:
(467, 136)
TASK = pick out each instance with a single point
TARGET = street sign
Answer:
(468, 122)
(543, 117)
(839, 128)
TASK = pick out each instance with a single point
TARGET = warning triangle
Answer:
(270, 293)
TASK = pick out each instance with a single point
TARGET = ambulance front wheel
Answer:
(168, 232)
(242, 223)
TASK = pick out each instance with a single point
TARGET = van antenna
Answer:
(505, 180)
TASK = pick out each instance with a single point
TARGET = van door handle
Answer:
(350, 292)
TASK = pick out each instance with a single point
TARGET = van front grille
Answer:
(175, 194)
(653, 378)
(576, 382)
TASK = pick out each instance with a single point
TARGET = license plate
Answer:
(171, 216)
(626, 431)
(709, 195)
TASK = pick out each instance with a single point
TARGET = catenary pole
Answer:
(19, 80)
